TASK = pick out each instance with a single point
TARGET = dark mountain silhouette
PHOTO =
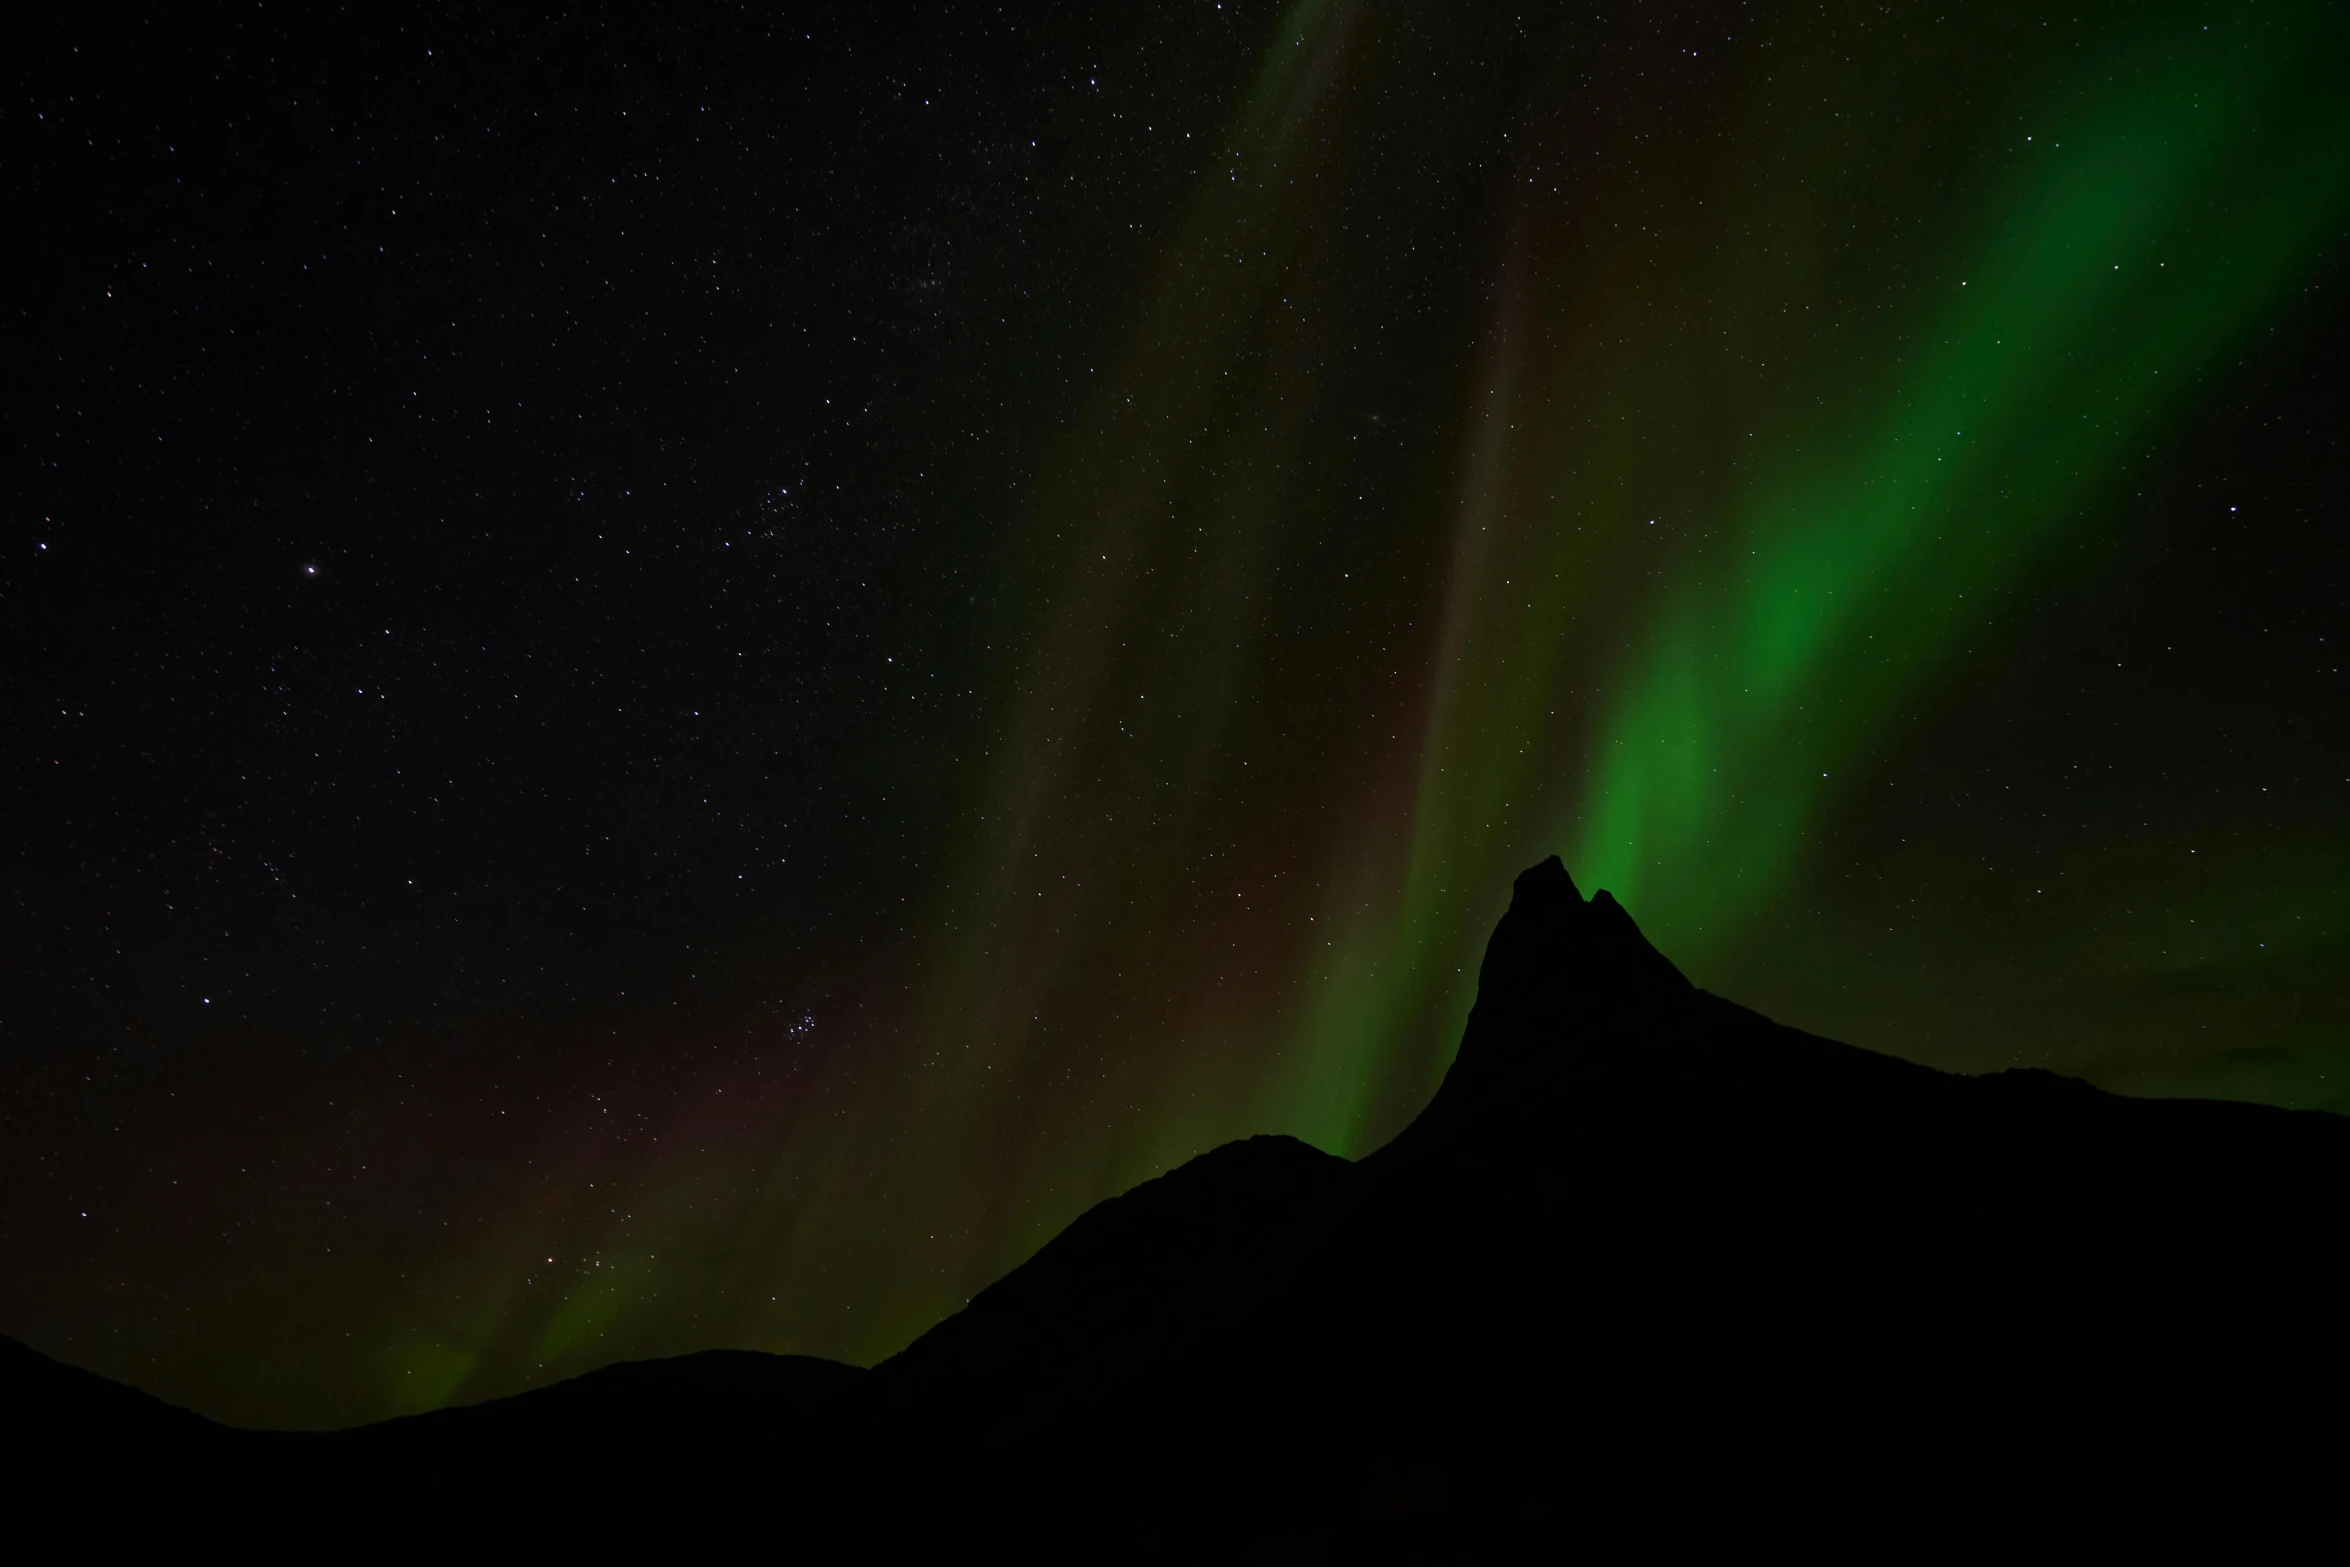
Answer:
(1648, 1261)
(77, 1410)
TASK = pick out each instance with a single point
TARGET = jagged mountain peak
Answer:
(1552, 948)
(1644, 1244)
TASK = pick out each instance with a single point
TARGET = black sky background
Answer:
(516, 533)
(505, 527)
(493, 497)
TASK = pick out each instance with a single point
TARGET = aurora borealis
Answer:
(1148, 553)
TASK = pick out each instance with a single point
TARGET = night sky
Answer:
(677, 676)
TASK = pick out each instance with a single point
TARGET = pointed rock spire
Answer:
(1556, 962)
(1553, 951)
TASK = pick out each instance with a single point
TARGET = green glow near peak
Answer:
(1833, 559)
(1504, 450)
(2137, 247)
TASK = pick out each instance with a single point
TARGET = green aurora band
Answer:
(1777, 387)
(2120, 234)
(1533, 434)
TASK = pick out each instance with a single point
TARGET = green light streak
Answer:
(1846, 511)
(2147, 239)
(2155, 217)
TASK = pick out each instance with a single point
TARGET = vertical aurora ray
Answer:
(2152, 231)
(2168, 195)
(1061, 1040)
(1528, 434)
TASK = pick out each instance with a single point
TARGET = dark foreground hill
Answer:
(1649, 1262)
